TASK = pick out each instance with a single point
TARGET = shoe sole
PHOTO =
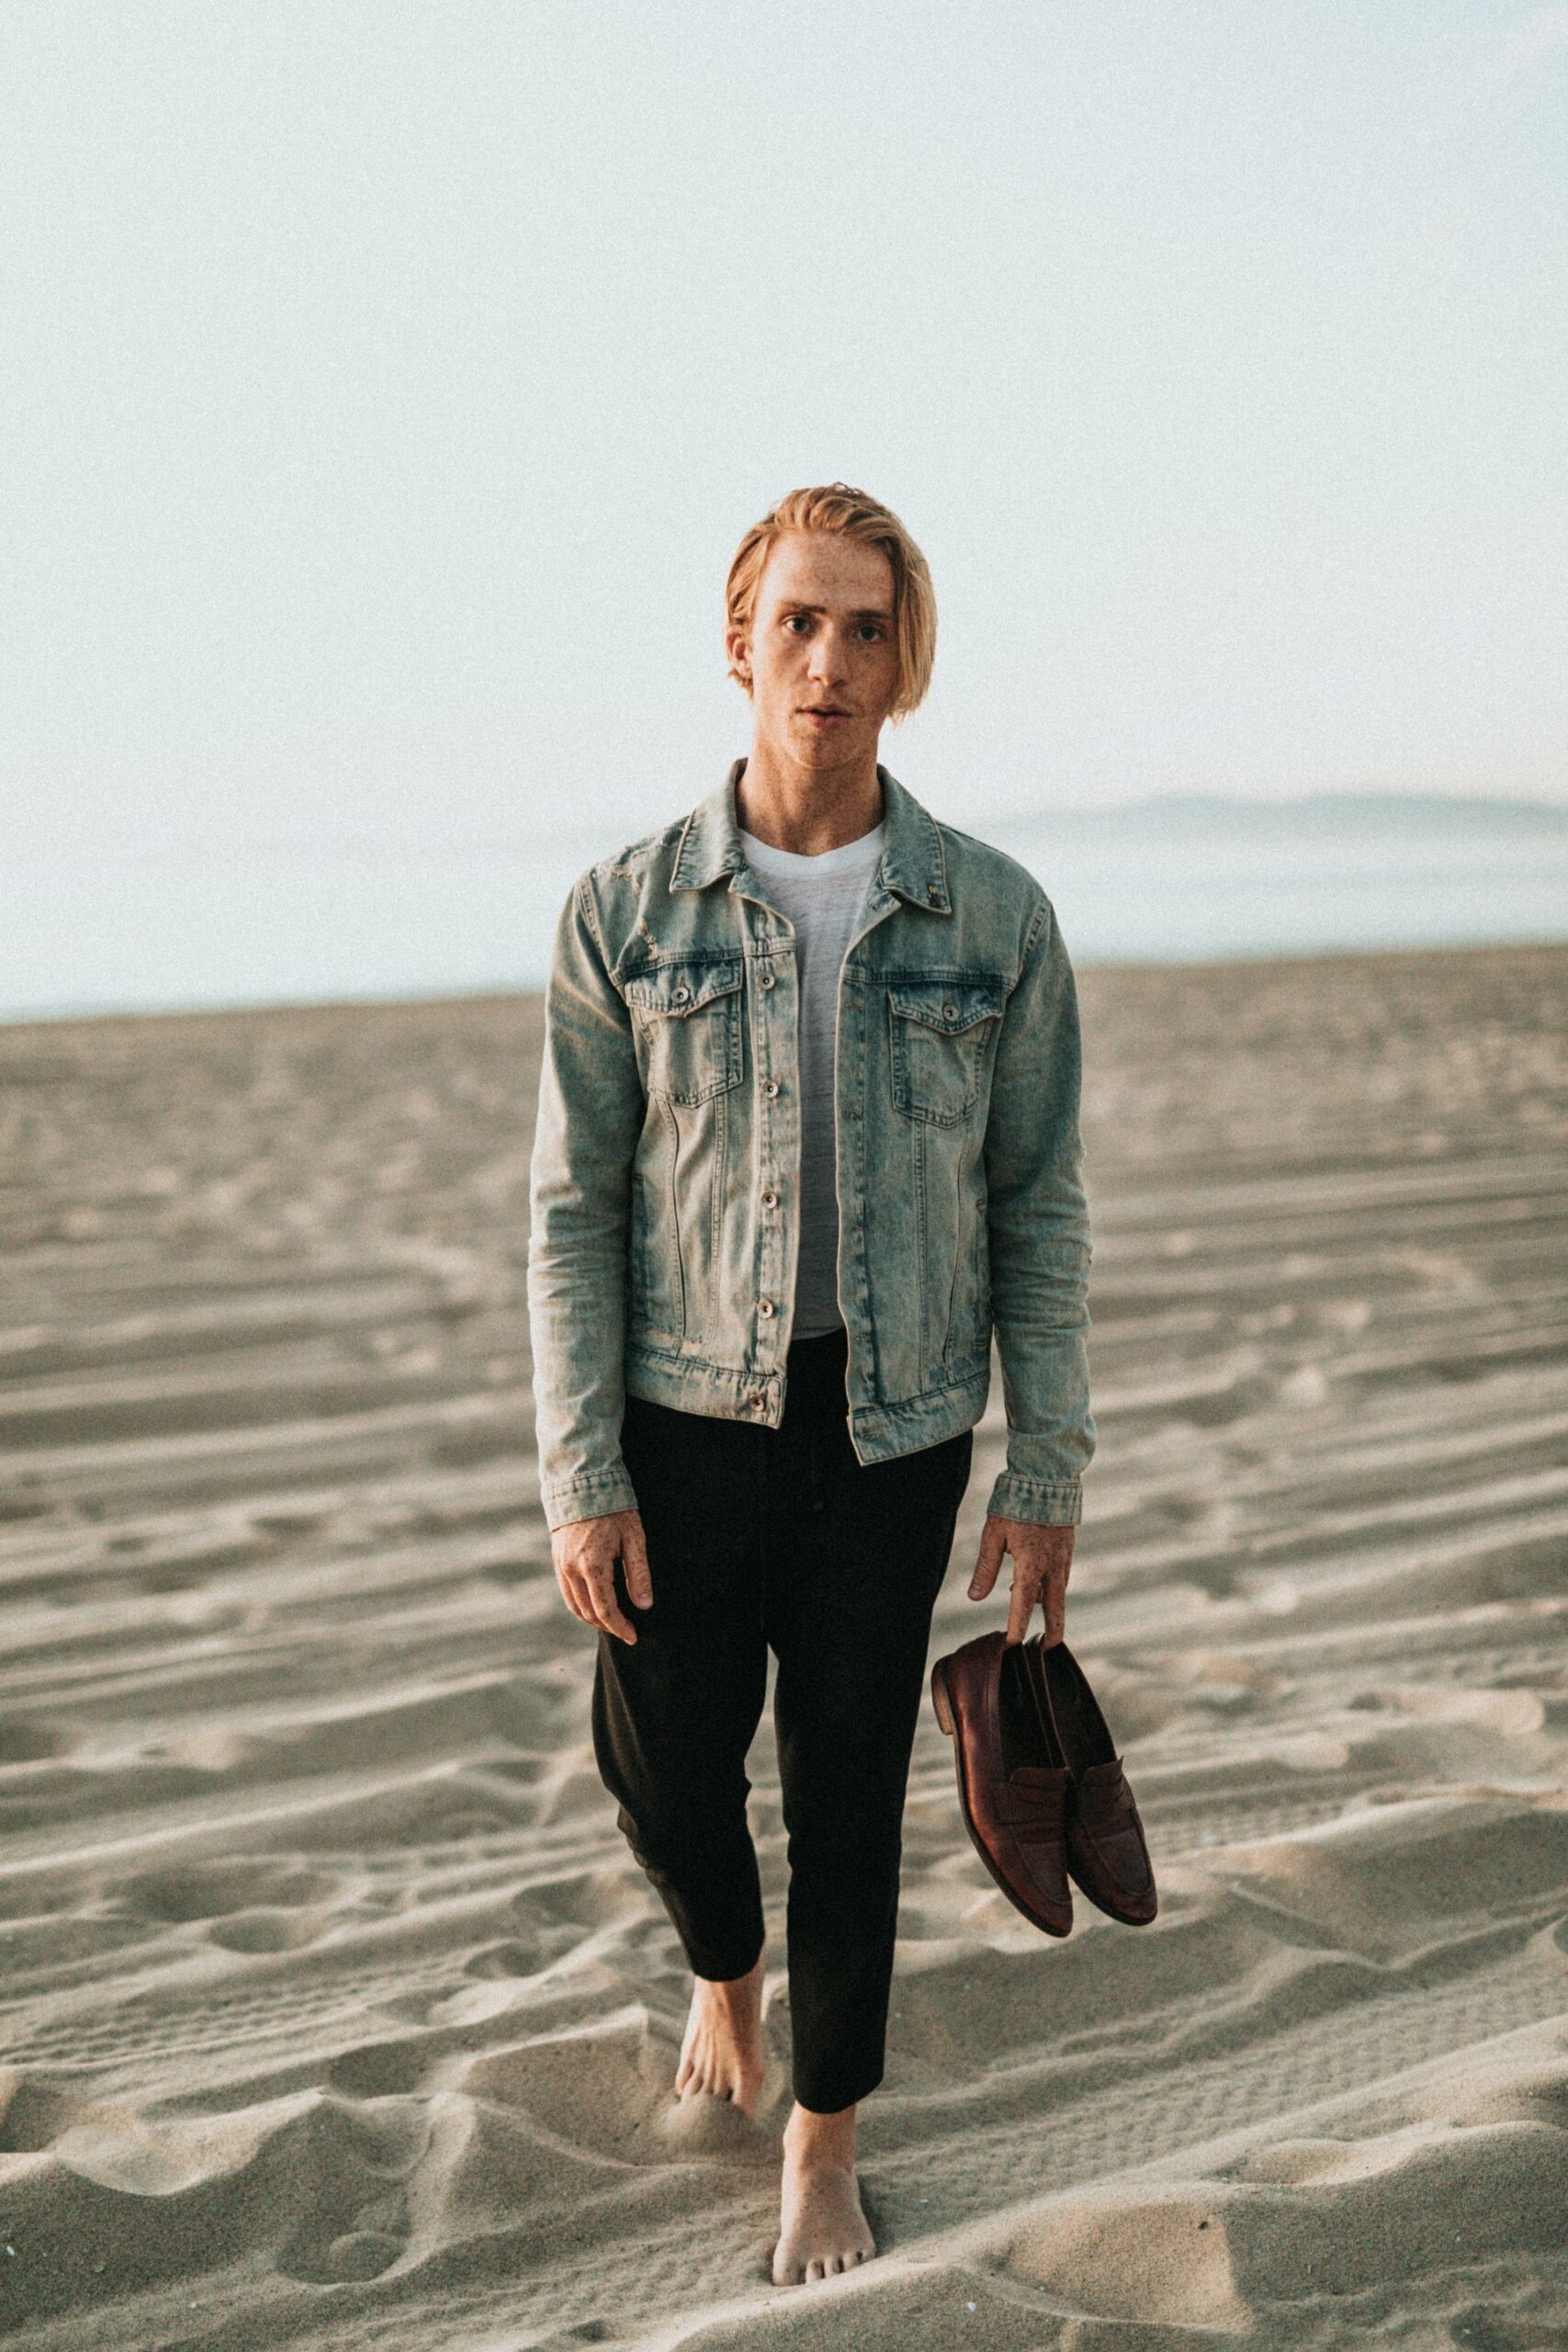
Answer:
(941, 1700)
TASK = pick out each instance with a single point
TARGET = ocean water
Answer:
(1149, 885)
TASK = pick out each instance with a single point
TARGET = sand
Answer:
(335, 2013)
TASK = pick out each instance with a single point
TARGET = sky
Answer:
(386, 387)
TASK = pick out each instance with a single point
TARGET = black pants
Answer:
(779, 1538)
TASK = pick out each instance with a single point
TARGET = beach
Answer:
(333, 2010)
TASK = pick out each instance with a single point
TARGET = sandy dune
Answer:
(335, 2013)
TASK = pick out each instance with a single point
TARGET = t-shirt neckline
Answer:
(865, 850)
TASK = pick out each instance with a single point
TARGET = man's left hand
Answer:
(1041, 1562)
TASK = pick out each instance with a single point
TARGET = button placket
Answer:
(851, 1167)
(775, 1015)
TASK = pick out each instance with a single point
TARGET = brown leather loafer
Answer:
(1012, 1789)
(1107, 1854)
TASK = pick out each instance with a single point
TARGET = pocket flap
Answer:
(947, 1005)
(680, 988)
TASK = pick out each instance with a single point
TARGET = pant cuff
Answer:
(714, 1967)
(828, 2095)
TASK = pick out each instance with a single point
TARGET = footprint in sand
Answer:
(606, 2087)
(500, 1959)
(158, 1582)
(361, 2253)
(229, 1892)
(282, 1524)
(35, 2113)
(388, 2069)
(33, 1739)
(507, 1573)
(702, 2126)
(360, 2161)
(267, 1928)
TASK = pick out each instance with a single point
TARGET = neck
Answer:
(806, 810)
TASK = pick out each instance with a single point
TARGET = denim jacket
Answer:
(664, 1201)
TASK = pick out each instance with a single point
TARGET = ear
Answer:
(737, 647)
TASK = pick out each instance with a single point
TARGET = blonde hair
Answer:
(838, 507)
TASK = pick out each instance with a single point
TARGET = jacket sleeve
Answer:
(590, 1116)
(1038, 1227)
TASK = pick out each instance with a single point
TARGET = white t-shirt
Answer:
(822, 895)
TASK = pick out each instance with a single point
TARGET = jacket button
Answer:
(754, 1402)
(770, 1199)
(933, 892)
(949, 1011)
(769, 1086)
(681, 995)
(767, 980)
(764, 1307)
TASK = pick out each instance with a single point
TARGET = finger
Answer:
(987, 1565)
(574, 1594)
(1052, 1609)
(1055, 1600)
(588, 1598)
(607, 1607)
(1020, 1606)
(634, 1559)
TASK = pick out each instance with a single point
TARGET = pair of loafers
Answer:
(1041, 1786)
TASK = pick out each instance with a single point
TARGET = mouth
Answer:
(825, 712)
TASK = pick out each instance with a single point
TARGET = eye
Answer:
(873, 632)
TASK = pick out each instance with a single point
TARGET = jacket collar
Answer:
(912, 862)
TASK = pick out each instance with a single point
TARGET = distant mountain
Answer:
(1210, 816)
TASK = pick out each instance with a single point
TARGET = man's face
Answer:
(820, 653)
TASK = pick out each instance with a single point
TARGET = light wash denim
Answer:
(665, 1221)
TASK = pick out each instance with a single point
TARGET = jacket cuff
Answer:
(1058, 1504)
(594, 1495)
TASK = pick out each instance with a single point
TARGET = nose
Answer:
(829, 665)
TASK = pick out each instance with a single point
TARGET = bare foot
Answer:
(822, 2230)
(722, 2053)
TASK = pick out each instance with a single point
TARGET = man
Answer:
(807, 1135)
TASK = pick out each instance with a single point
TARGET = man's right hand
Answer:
(585, 1553)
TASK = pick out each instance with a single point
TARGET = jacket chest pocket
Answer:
(942, 1031)
(688, 1019)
